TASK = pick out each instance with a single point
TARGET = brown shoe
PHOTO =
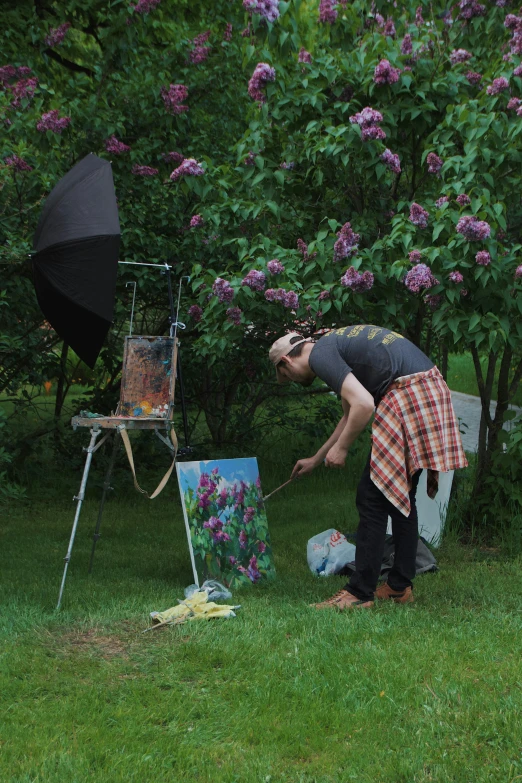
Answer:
(398, 596)
(343, 600)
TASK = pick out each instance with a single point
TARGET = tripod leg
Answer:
(106, 487)
(79, 500)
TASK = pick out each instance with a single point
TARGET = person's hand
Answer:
(336, 457)
(303, 466)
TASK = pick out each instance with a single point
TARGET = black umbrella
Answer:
(76, 260)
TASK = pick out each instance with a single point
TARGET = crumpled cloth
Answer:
(196, 608)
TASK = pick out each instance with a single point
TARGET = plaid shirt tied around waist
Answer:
(414, 427)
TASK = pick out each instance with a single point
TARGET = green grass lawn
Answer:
(409, 694)
(462, 378)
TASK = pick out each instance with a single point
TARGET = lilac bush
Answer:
(223, 290)
(391, 161)
(418, 215)
(357, 281)
(483, 258)
(50, 121)
(255, 280)
(263, 74)
(188, 168)
(275, 267)
(472, 229)
(173, 98)
(267, 9)
(116, 147)
(385, 74)
(347, 243)
(419, 277)
(434, 163)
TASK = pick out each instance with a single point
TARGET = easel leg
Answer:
(106, 487)
(79, 500)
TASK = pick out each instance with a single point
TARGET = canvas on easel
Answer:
(226, 523)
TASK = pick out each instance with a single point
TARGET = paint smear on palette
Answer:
(226, 523)
(147, 378)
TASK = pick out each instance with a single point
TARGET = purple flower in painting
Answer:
(195, 312)
(442, 200)
(418, 215)
(456, 277)
(223, 290)
(189, 167)
(51, 122)
(232, 560)
(518, 271)
(304, 56)
(213, 524)
(234, 315)
(255, 280)
(219, 536)
(419, 277)
(385, 74)
(173, 98)
(392, 161)
(261, 547)
(460, 56)
(463, 200)
(275, 267)
(483, 258)
(215, 471)
(356, 281)
(196, 220)
(116, 147)
(406, 45)
(498, 85)
(473, 229)
(204, 480)
(263, 74)
(347, 244)
(434, 163)
(56, 35)
(327, 12)
(253, 571)
(17, 163)
(415, 256)
(222, 500)
(243, 539)
(250, 513)
(144, 171)
(204, 500)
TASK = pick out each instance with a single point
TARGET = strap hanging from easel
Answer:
(173, 437)
(163, 482)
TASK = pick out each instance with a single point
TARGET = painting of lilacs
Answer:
(226, 522)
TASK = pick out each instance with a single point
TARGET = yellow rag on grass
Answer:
(196, 608)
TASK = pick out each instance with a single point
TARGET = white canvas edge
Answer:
(187, 526)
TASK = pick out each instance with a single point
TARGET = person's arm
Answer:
(361, 407)
(304, 466)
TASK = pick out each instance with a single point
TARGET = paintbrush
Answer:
(278, 488)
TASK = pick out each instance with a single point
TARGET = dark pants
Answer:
(374, 509)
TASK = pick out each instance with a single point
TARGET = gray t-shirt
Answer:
(375, 355)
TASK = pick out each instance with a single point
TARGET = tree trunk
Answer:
(483, 430)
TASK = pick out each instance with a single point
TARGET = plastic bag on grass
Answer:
(214, 590)
(328, 552)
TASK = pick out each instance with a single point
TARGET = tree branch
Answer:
(68, 63)
(482, 389)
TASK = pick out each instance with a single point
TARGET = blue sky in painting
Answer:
(231, 470)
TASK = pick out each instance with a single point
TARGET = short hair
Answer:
(297, 351)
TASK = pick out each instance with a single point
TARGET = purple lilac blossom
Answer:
(268, 9)
(385, 74)
(291, 300)
(389, 29)
(419, 277)
(356, 281)
(463, 199)
(434, 163)
(204, 500)
(17, 163)
(470, 9)
(220, 536)
(173, 157)
(483, 258)
(473, 229)
(195, 312)
(418, 16)
(7, 72)
(512, 21)
(418, 215)
(173, 98)
(442, 200)
(327, 11)
(473, 77)
(498, 85)
(347, 244)
(145, 6)
(460, 56)
(213, 524)
(116, 147)
(234, 315)
(56, 35)
(463, 291)
(287, 166)
(189, 167)
(227, 35)
(263, 74)
(456, 277)
(518, 271)
(518, 70)
(253, 571)
(513, 103)
(433, 301)
(250, 159)
(304, 56)
(196, 220)
(23, 88)
(255, 280)
(223, 290)
(406, 45)
(261, 547)
(414, 256)
(51, 122)
(144, 171)
(275, 267)
(392, 161)
(323, 295)
(200, 52)
(367, 120)
(270, 294)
